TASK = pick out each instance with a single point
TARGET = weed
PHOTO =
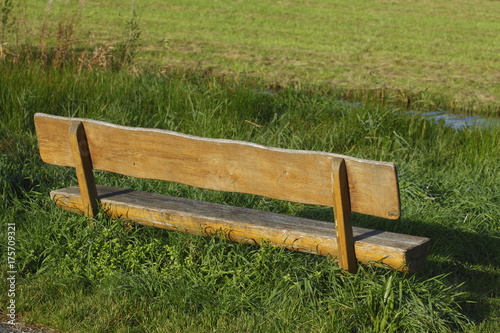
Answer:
(128, 49)
(7, 19)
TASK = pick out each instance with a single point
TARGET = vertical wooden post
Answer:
(83, 166)
(342, 213)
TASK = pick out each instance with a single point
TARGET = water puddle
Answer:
(454, 121)
(459, 122)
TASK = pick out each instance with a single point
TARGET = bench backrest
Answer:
(224, 165)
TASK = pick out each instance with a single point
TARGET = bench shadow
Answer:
(464, 256)
(115, 193)
(367, 235)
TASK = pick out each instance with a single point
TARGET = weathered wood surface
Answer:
(398, 251)
(226, 165)
(83, 166)
(342, 214)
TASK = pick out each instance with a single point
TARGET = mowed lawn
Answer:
(439, 53)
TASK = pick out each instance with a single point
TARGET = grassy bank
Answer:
(112, 276)
(423, 54)
(284, 74)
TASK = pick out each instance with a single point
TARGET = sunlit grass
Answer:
(115, 276)
(118, 277)
(428, 54)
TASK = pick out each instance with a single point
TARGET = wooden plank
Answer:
(226, 165)
(342, 214)
(398, 251)
(83, 166)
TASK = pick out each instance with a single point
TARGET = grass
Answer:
(266, 82)
(116, 277)
(427, 55)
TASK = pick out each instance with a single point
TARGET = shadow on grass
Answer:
(470, 260)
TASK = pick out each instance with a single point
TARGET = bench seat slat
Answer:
(398, 251)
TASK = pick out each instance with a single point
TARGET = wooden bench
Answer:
(347, 184)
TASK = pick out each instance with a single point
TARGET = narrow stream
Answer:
(455, 121)
(452, 120)
(459, 122)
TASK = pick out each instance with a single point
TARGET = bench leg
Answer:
(342, 213)
(83, 166)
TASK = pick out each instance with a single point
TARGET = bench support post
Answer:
(342, 214)
(83, 166)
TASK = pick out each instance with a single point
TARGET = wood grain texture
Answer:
(342, 214)
(398, 251)
(83, 166)
(226, 165)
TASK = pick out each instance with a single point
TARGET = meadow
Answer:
(428, 54)
(114, 276)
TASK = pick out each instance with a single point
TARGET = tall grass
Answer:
(114, 276)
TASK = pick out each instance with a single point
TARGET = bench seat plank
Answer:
(398, 251)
